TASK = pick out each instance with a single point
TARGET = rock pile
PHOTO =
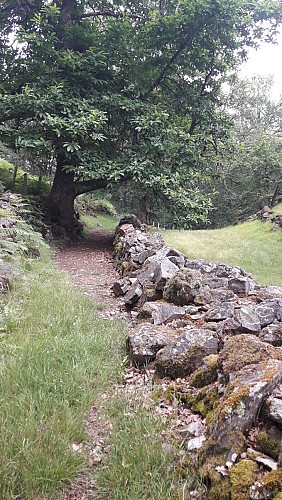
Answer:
(218, 334)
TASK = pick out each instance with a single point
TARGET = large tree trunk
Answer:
(60, 203)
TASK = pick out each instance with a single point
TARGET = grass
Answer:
(57, 357)
(137, 466)
(250, 245)
(102, 222)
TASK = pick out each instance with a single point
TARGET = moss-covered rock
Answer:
(207, 373)
(268, 444)
(242, 477)
(243, 350)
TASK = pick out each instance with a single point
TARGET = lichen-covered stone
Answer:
(186, 353)
(183, 287)
(220, 311)
(207, 373)
(146, 340)
(243, 350)
(272, 334)
(161, 312)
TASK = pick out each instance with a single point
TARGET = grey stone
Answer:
(220, 311)
(146, 340)
(275, 409)
(161, 312)
(242, 284)
(196, 443)
(222, 295)
(272, 334)
(248, 319)
(165, 270)
(133, 295)
(140, 257)
(179, 260)
(269, 292)
(186, 353)
(266, 314)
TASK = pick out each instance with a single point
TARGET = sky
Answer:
(267, 60)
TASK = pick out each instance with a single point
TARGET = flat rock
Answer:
(146, 340)
(161, 312)
(269, 292)
(183, 356)
(196, 443)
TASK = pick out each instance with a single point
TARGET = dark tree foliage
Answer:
(118, 91)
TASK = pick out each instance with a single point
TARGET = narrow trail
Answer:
(89, 264)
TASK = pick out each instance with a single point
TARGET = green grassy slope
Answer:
(250, 245)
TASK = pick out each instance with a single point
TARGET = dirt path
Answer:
(89, 264)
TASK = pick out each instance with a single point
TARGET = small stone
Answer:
(196, 443)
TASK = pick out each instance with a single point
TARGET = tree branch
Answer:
(90, 185)
(106, 13)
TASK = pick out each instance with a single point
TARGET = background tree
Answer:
(250, 176)
(117, 91)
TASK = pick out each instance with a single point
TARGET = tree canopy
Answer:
(115, 91)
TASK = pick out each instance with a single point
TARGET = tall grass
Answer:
(56, 356)
(251, 245)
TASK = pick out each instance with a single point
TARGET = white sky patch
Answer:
(267, 60)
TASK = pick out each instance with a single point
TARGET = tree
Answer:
(250, 174)
(119, 91)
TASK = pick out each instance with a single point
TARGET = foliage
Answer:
(91, 205)
(250, 175)
(20, 238)
(125, 92)
(250, 245)
(35, 186)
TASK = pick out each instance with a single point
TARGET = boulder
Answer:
(183, 356)
(146, 340)
(161, 312)
(183, 287)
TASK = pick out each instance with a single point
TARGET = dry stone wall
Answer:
(215, 331)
